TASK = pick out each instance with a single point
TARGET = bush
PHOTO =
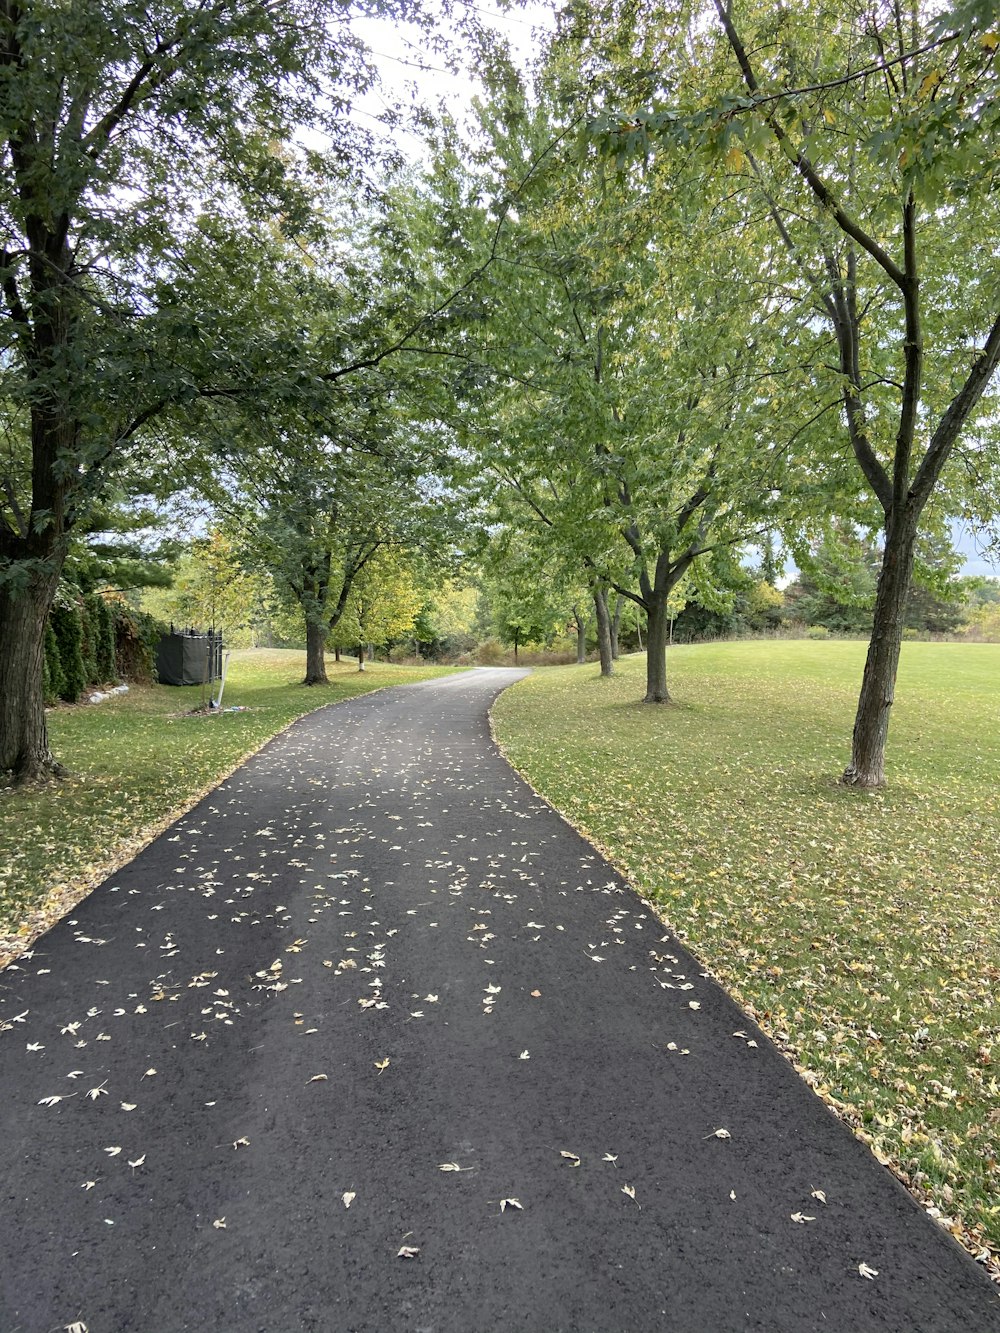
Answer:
(136, 636)
(68, 629)
(90, 623)
(104, 655)
(490, 653)
(53, 680)
(817, 632)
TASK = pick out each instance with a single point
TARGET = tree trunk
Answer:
(316, 653)
(581, 636)
(24, 742)
(515, 649)
(616, 621)
(878, 685)
(336, 653)
(656, 652)
(361, 657)
(603, 631)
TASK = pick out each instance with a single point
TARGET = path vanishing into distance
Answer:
(372, 1040)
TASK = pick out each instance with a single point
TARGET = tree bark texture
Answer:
(604, 647)
(581, 636)
(657, 622)
(616, 621)
(24, 743)
(878, 685)
(316, 653)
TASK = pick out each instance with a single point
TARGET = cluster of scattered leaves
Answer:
(860, 929)
(137, 763)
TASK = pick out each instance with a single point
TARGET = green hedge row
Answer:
(90, 641)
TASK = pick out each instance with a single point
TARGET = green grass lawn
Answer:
(861, 929)
(137, 762)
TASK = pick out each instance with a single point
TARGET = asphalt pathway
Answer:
(372, 1040)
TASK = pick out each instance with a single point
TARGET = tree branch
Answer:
(802, 163)
(958, 412)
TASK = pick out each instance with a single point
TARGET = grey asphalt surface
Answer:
(231, 1150)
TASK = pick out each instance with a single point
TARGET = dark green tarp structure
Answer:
(189, 658)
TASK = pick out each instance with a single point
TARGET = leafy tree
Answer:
(384, 600)
(614, 400)
(450, 617)
(211, 587)
(122, 547)
(138, 176)
(867, 137)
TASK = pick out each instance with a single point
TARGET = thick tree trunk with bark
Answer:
(316, 653)
(603, 631)
(581, 636)
(24, 743)
(657, 623)
(361, 657)
(878, 685)
(616, 621)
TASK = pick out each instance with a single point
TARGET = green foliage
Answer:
(105, 657)
(877, 176)
(120, 546)
(67, 626)
(817, 632)
(146, 153)
(53, 680)
(137, 634)
(384, 601)
(90, 628)
(861, 930)
(211, 587)
(447, 624)
(92, 640)
(765, 605)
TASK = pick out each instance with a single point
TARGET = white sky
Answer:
(406, 60)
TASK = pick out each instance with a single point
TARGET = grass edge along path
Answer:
(137, 764)
(860, 930)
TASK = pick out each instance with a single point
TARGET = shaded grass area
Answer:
(137, 761)
(861, 929)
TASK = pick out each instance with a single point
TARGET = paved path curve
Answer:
(374, 952)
